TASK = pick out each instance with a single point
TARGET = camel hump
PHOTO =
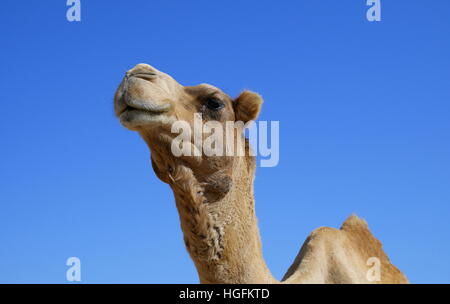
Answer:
(354, 222)
(332, 255)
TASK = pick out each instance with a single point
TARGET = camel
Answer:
(214, 194)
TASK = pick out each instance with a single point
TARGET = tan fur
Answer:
(340, 256)
(214, 195)
(248, 106)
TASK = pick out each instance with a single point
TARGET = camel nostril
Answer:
(142, 70)
(145, 75)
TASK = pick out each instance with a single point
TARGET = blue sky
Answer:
(363, 107)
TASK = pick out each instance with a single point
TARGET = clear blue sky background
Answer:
(364, 111)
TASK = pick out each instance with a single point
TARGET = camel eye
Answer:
(214, 104)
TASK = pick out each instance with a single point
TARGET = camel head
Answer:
(213, 191)
(150, 102)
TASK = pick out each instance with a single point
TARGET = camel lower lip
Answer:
(134, 118)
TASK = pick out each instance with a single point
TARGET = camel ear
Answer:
(247, 106)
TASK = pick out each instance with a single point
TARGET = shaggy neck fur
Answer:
(221, 237)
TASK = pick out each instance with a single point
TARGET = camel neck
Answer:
(223, 238)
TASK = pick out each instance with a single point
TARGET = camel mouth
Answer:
(134, 118)
(144, 110)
